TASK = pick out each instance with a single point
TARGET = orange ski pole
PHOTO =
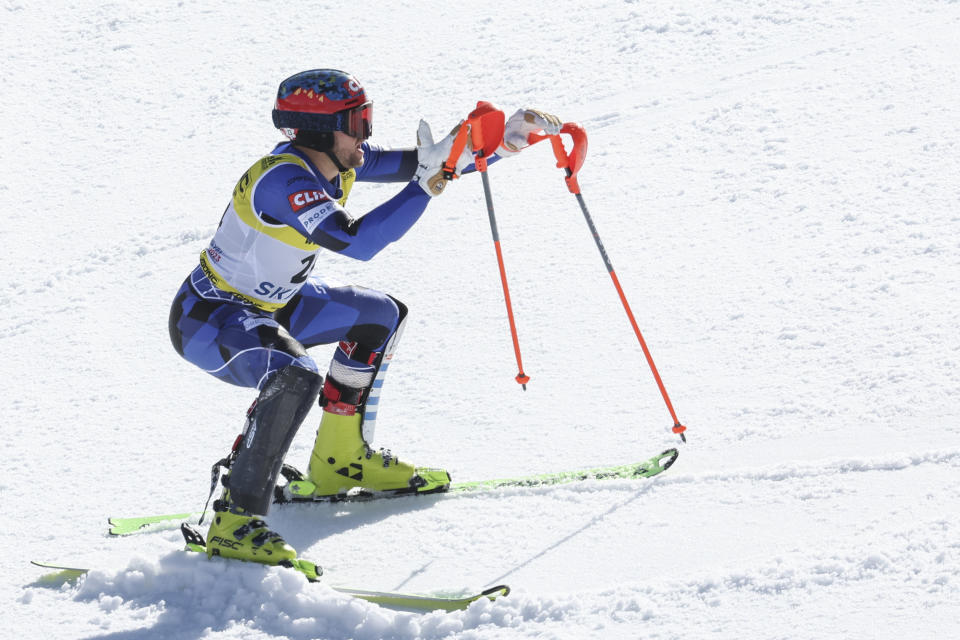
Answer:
(486, 124)
(571, 163)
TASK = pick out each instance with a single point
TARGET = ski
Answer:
(298, 485)
(64, 574)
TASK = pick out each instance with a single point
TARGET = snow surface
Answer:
(776, 184)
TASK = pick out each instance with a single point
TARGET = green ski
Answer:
(299, 485)
(62, 574)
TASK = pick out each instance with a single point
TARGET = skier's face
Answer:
(347, 149)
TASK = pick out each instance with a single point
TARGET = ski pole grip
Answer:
(486, 131)
(484, 127)
(572, 161)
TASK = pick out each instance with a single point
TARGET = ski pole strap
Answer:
(450, 166)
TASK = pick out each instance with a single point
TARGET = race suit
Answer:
(252, 307)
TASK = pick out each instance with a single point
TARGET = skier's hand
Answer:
(431, 156)
(521, 124)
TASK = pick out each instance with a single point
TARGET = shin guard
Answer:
(272, 423)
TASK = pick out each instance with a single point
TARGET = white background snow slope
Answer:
(776, 184)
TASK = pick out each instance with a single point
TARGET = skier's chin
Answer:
(353, 160)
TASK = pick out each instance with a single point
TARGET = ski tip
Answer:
(658, 463)
(667, 458)
(496, 592)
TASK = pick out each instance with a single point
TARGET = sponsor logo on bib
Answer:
(302, 199)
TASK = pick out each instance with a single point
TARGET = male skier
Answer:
(250, 310)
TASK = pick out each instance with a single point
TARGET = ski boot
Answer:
(235, 533)
(342, 462)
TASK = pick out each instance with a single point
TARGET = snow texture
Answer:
(776, 185)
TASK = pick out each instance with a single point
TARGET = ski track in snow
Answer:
(775, 184)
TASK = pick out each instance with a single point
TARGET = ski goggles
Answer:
(357, 122)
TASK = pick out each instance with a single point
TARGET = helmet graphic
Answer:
(311, 105)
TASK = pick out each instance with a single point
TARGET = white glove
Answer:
(521, 124)
(431, 156)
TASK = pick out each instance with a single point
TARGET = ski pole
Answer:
(486, 124)
(571, 163)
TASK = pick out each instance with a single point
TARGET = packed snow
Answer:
(775, 183)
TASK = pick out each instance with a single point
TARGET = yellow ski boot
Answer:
(234, 533)
(342, 462)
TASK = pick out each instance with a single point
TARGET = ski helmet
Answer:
(311, 105)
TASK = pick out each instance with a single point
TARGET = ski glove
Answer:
(431, 156)
(521, 124)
